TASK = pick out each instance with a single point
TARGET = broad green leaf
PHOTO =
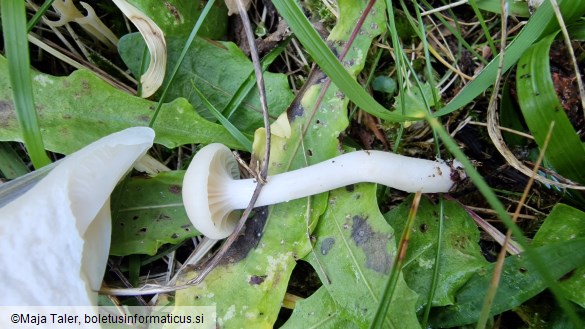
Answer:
(248, 288)
(520, 281)
(540, 106)
(319, 311)
(218, 69)
(354, 251)
(147, 213)
(177, 17)
(538, 261)
(79, 109)
(460, 252)
(543, 22)
(565, 223)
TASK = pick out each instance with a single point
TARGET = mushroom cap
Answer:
(206, 191)
(55, 238)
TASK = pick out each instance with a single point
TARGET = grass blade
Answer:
(540, 106)
(38, 15)
(397, 264)
(484, 26)
(544, 17)
(238, 135)
(188, 43)
(250, 83)
(327, 61)
(16, 44)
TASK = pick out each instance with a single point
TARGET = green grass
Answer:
(16, 44)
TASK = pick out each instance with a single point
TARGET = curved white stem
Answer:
(393, 170)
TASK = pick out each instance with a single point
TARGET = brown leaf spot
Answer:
(326, 245)
(372, 243)
(175, 189)
(6, 113)
(257, 279)
(174, 12)
(85, 85)
(162, 217)
(143, 118)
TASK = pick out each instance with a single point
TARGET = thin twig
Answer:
(264, 171)
(124, 280)
(496, 136)
(499, 267)
(449, 6)
(512, 131)
(78, 63)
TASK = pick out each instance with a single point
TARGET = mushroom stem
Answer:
(212, 190)
(393, 170)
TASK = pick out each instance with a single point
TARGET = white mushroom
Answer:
(212, 188)
(55, 238)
